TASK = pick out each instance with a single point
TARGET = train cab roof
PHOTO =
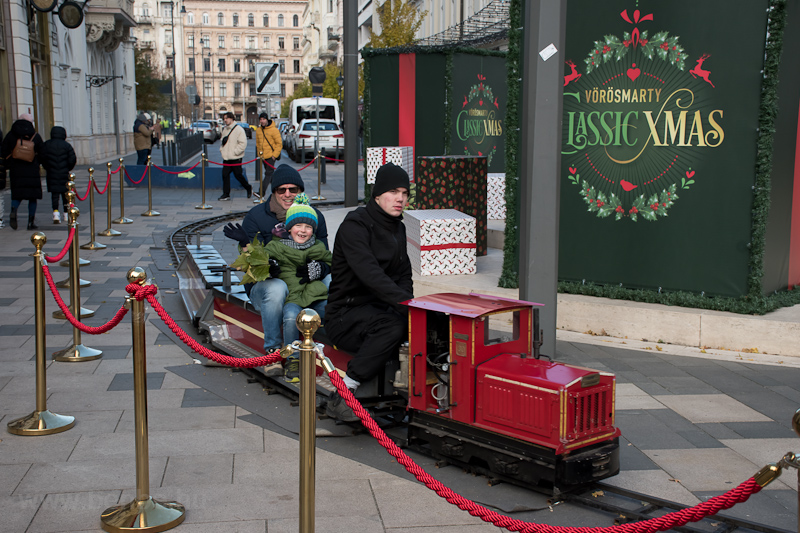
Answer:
(470, 305)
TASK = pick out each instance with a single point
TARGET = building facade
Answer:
(322, 31)
(218, 44)
(81, 79)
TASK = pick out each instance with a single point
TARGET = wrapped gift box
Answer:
(496, 190)
(402, 156)
(440, 241)
(454, 182)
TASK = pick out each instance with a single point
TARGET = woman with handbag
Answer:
(19, 151)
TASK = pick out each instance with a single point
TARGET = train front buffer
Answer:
(473, 367)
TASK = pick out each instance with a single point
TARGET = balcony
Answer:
(145, 45)
(144, 19)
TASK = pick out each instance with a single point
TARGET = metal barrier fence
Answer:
(185, 145)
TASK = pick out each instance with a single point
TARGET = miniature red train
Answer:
(470, 383)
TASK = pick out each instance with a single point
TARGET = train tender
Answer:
(470, 384)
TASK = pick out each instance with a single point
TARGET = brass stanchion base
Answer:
(40, 423)
(122, 220)
(204, 206)
(81, 262)
(318, 197)
(85, 313)
(64, 283)
(151, 213)
(94, 245)
(77, 353)
(143, 515)
(108, 233)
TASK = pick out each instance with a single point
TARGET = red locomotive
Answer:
(475, 390)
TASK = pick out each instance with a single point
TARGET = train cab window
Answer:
(501, 327)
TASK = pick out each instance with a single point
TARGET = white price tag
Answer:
(548, 52)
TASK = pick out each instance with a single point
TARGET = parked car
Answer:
(304, 138)
(209, 132)
(247, 129)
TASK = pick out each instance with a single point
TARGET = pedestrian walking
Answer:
(269, 145)
(20, 151)
(142, 138)
(58, 158)
(234, 143)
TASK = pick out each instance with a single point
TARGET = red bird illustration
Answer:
(495, 103)
(465, 103)
(627, 186)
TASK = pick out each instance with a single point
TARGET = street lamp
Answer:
(174, 76)
(340, 81)
(213, 107)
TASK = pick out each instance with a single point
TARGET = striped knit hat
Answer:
(301, 212)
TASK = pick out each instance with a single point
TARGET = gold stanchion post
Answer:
(319, 178)
(143, 513)
(122, 219)
(259, 178)
(92, 245)
(71, 200)
(41, 421)
(150, 212)
(74, 288)
(109, 231)
(308, 323)
(67, 283)
(204, 205)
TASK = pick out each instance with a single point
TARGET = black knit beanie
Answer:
(286, 175)
(388, 177)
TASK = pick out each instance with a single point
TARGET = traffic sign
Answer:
(191, 91)
(268, 78)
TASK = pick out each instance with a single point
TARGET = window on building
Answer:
(167, 36)
(295, 21)
(190, 37)
(236, 41)
(145, 10)
(330, 6)
(221, 64)
(266, 41)
(297, 66)
(283, 90)
(251, 42)
(237, 89)
(280, 43)
(252, 88)
(251, 20)
(190, 18)
(220, 19)
(280, 21)
(283, 66)
(296, 43)
(166, 9)
(206, 64)
(237, 65)
(206, 20)
(208, 88)
(191, 64)
(223, 89)
(206, 41)
(236, 20)
(169, 62)
(266, 20)
(221, 39)
(251, 65)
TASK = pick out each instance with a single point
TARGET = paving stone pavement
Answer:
(694, 424)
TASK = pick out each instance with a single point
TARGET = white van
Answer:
(303, 108)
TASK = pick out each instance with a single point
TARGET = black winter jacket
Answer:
(58, 158)
(26, 183)
(260, 221)
(370, 261)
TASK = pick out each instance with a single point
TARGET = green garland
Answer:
(509, 276)
(448, 101)
(755, 302)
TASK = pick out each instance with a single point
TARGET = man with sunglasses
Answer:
(269, 295)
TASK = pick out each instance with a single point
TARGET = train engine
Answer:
(480, 396)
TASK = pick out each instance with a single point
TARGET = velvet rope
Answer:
(178, 172)
(108, 326)
(668, 521)
(308, 165)
(108, 180)
(61, 255)
(85, 196)
(140, 179)
(233, 164)
(223, 359)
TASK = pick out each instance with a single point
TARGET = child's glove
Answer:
(236, 232)
(274, 269)
(312, 271)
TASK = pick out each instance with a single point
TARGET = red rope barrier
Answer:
(270, 166)
(85, 196)
(305, 167)
(115, 171)
(223, 359)
(108, 326)
(60, 256)
(332, 159)
(140, 179)
(233, 164)
(108, 180)
(178, 172)
(668, 521)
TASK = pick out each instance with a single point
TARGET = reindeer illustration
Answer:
(573, 76)
(698, 72)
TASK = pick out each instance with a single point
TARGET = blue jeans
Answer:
(141, 156)
(290, 312)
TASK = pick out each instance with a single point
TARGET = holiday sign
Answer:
(660, 115)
